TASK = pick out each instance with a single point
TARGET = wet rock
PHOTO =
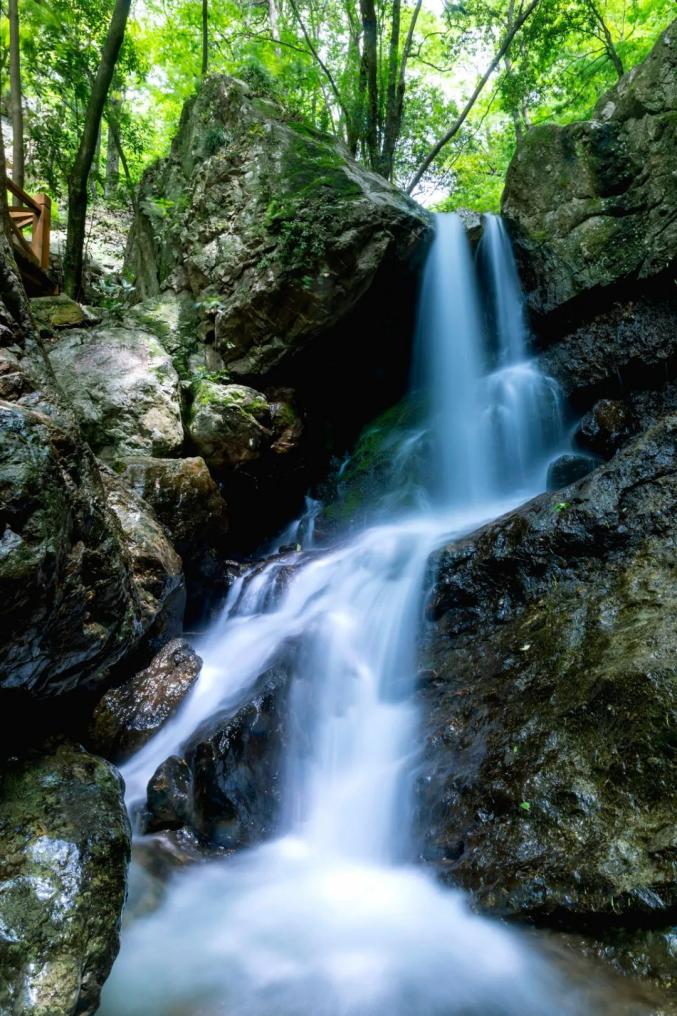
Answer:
(70, 606)
(188, 502)
(646, 954)
(648, 408)
(567, 469)
(129, 715)
(547, 786)
(592, 204)
(238, 769)
(227, 788)
(156, 568)
(170, 796)
(631, 345)
(64, 850)
(605, 428)
(124, 389)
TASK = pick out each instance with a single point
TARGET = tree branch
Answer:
(460, 120)
(325, 70)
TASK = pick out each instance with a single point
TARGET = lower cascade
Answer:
(333, 917)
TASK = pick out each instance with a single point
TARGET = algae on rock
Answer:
(64, 851)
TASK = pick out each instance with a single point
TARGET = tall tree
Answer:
(77, 183)
(112, 153)
(205, 36)
(16, 97)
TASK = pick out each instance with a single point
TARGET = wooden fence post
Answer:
(41, 229)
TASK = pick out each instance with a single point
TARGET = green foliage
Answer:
(564, 57)
(113, 294)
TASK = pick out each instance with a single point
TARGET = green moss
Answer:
(365, 487)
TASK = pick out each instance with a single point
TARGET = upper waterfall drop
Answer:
(505, 291)
(493, 429)
(331, 917)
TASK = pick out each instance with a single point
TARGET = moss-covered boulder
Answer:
(123, 387)
(549, 690)
(64, 851)
(54, 312)
(227, 423)
(268, 223)
(593, 204)
(233, 424)
(384, 474)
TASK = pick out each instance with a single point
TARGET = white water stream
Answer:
(332, 918)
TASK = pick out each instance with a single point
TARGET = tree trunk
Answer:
(77, 183)
(112, 153)
(396, 91)
(93, 177)
(370, 71)
(15, 97)
(205, 36)
(272, 14)
(385, 166)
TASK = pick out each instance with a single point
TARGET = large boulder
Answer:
(64, 850)
(124, 388)
(70, 598)
(594, 204)
(547, 784)
(232, 424)
(269, 222)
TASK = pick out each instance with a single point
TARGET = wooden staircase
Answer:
(32, 256)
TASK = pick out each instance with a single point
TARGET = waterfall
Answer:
(332, 917)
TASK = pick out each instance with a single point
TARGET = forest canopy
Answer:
(393, 79)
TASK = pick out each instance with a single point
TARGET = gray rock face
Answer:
(64, 850)
(547, 786)
(128, 716)
(156, 568)
(276, 230)
(628, 346)
(594, 203)
(124, 389)
(188, 503)
(70, 606)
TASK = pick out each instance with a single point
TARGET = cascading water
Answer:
(332, 918)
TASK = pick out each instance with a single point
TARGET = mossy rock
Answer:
(64, 851)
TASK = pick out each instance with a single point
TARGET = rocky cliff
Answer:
(593, 205)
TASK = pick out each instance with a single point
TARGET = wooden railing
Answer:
(34, 213)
